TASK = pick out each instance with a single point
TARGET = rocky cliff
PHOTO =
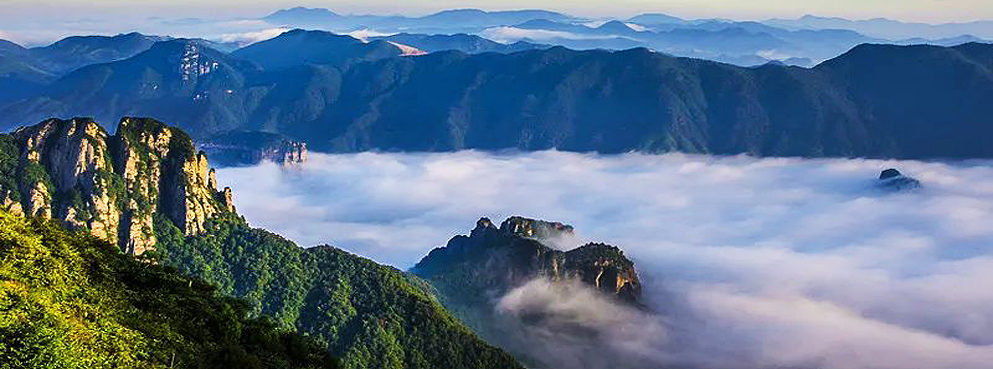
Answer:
(253, 147)
(494, 260)
(112, 185)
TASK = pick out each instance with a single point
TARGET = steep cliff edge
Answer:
(112, 185)
(238, 148)
(494, 260)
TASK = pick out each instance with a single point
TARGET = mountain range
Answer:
(927, 102)
(805, 41)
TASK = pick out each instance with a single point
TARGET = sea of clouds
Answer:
(750, 263)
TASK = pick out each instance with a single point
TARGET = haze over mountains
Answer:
(803, 41)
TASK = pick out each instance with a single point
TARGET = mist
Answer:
(749, 263)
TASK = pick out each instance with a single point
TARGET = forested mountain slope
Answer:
(874, 101)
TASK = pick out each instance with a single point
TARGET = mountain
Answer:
(74, 52)
(148, 191)
(448, 21)
(951, 41)
(888, 28)
(239, 148)
(302, 16)
(70, 300)
(478, 17)
(614, 102)
(741, 43)
(929, 102)
(470, 44)
(892, 180)
(656, 19)
(369, 315)
(496, 260)
(474, 274)
(20, 73)
(113, 186)
(300, 47)
(172, 74)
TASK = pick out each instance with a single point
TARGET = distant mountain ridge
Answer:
(805, 41)
(888, 28)
(78, 51)
(299, 47)
(929, 101)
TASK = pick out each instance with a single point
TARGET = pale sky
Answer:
(931, 11)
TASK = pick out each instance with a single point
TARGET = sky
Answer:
(754, 263)
(935, 11)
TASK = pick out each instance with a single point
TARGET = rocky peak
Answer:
(537, 229)
(892, 180)
(113, 186)
(500, 259)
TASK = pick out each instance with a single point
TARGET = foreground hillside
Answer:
(370, 315)
(70, 300)
(874, 101)
(148, 191)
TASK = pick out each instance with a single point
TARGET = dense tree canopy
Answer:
(69, 300)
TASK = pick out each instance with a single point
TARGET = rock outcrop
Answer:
(892, 180)
(112, 185)
(495, 260)
(250, 148)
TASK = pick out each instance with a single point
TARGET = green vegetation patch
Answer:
(69, 300)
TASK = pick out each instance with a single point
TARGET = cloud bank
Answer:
(752, 263)
(514, 34)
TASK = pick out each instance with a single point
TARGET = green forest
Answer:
(368, 315)
(69, 300)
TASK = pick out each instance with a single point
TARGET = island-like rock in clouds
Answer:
(892, 180)
(474, 276)
(495, 260)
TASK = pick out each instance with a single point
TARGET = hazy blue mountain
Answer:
(302, 16)
(484, 18)
(951, 41)
(78, 51)
(20, 73)
(727, 44)
(176, 74)
(455, 21)
(888, 28)
(299, 47)
(656, 19)
(470, 44)
(928, 102)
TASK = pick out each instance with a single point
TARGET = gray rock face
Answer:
(250, 148)
(113, 186)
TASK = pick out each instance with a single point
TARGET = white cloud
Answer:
(247, 38)
(514, 34)
(636, 27)
(365, 33)
(755, 262)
